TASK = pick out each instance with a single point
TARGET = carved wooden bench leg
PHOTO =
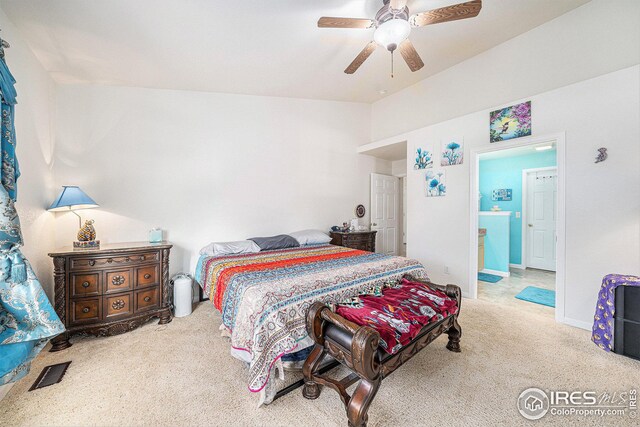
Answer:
(360, 401)
(312, 389)
(454, 332)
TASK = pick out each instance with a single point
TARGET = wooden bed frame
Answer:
(356, 347)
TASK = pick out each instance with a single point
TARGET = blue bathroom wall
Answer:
(507, 173)
(496, 242)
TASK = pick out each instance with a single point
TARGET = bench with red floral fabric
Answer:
(374, 334)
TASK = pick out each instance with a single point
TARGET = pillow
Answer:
(275, 242)
(310, 237)
(230, 248)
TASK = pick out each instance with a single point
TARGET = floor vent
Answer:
(50, 375)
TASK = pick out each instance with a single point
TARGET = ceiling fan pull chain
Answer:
(391, 64)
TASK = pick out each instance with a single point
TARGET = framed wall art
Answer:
(510, 122)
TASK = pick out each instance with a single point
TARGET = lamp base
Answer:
(90, 244)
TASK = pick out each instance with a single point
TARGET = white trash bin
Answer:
(182, 295)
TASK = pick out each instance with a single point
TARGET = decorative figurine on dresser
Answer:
(363, 240)
(111, 290)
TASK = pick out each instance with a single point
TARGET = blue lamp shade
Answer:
(72, 197)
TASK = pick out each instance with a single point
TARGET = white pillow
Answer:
(230, 248)
(310, 237)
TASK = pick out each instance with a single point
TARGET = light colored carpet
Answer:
(182, 374)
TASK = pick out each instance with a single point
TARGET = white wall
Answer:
(399, 167)
(209, 167)
(34, 138)
(600, 37)
(602, 200)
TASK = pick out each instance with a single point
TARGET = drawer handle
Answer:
(117, 280)
(85, 284)
(117, 304)
(147, 299)
(92, 262)
(147, 276)
(85, 310)
(141, 257)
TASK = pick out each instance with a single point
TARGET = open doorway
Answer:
(387, 202)
(517, 226)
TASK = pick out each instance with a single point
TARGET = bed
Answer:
(264, 297)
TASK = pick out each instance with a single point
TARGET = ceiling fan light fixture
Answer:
(391, 33)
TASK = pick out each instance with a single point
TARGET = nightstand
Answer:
(111, 290)
(363, 240)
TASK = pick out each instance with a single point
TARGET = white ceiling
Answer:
(252, 46)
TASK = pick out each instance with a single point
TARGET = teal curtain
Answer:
(10, 169)
(27, 319)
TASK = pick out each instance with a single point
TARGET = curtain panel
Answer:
(27, 319)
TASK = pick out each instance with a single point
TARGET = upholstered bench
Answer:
(358, 346)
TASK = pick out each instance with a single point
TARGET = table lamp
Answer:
(72, 198)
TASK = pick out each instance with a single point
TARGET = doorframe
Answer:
(523, 251)
(560, 141)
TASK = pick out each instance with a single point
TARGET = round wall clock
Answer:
(360, 211)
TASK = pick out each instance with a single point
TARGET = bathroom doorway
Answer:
(515, 216)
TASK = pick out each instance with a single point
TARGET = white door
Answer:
(541, 219)
(385, 190)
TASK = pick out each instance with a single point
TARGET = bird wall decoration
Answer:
(602, 155)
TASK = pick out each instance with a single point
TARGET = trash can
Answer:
(182, 295)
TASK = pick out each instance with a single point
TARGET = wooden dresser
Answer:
(363, 240)
(110, 290)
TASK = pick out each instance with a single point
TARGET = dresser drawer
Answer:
(147, 276)
(117, 281)
(361, 246)
(117, 305)
(84, 263)
(85, 310)
(84, 285)
(356, 238)
(147, 299)
(361, 242)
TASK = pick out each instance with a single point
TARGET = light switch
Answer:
(517, 214)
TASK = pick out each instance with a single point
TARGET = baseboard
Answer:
(577, 323)
(518, 266)
(496, 272)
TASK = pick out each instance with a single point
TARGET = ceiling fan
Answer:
(392, 27)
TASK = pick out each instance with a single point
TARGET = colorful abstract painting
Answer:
(424, 158)
(435, 183)
(510, 122)
(452, 152)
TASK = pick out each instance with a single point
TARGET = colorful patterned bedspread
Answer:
(264, 297)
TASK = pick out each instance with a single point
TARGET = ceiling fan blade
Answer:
(410, 55)
(362, 56)
(398, 4)
(454, 12)
(329, 22)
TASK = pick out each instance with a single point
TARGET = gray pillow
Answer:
(275, 242)
(310, 237)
